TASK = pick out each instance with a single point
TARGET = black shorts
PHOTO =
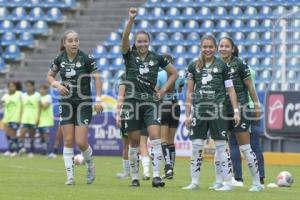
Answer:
(78, 113)
(170, 113)
(244, 123)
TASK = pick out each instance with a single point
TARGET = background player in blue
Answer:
(254, 142)
(242, 81)
(76, 69)
(208, 81)
(141, 103)
(170, 114)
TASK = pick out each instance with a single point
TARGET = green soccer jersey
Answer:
(239, 72)
(209, 88)
(46, 114)
(75, 74)
(30, 108)
(142, 74)
(12, 107)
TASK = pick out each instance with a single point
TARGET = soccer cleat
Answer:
(225, 188)
(216, 186)
(236, 183)
(145, 178)
(191, 186)
(256, 188)
(22, 151)
(91, 174)
(157, 182)
(122, 175)
(135, 183)
(52, 155)
(168, 175)
(6, 153)
(13, 154)
(70, 181)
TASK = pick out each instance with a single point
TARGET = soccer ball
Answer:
(285, 179)
(78, 159)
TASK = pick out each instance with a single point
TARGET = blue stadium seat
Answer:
(239, 38)
(235, 13)
(173, 13)
(159, 26)
(40, 27)
(6, 26)
(222, 35)
(157, 13)
(261, 87)
(2, 65)
(295, 25)
(252, 25)
(237, 25)
(22, 26)
(12, 52)
(204, 13)
(279, 11)
(193, 51)
(266, 38)
(32, 3)
(220, 13)
(191, 26)
(291, 76)
(267, 50)
(266, 63)
(164, 49)
(294, 8)
(207, 26)
(8, 38)
(106, 74)
(175, 26)
(222, 25)
(294, 50)
(142, 14)
(252, 38)
(189, 13)
(118, 63)
(143, 25)
(242, 51)
(102, 63)
(180, 63)
(176, 38)
(115, 51)
(4, 14)
(274, 86)
(68, 4)
(254, 51)
(169, 3)
(99, 51)
(50, 3)
(192, 38)
(266, 25)
(179, 51)
(19, 13)
(254, 62)
(297, 86)
(16, 3)
(293, 63)
(26, 39)
(265, 76)
(54, 15)
(265, 12)
(153, 3)
(36, 14)
(113, 39)
(160, 39)
(250, 13)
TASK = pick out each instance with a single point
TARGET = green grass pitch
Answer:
(39, 178)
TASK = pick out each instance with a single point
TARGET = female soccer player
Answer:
(46, 117)
(170, 114)
(243, 84)
(76, 69)
(30, 117)
(12, 115)
(208, 80)
(141, 105)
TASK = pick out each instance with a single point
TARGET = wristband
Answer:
(236, 110)
(98, 99)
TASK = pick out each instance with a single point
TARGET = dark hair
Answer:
(235, 48)
(135, 36)
(200, 61)
(63, 39)
(30, 82)
(44, 86)
(17, 84)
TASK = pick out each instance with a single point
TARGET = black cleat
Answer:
(157, 182)
(168, 175)
(135, 183)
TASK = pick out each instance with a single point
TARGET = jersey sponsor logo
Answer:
(275, 111)
(151, 63)
(70, 73)
(206, 79)
(215, 70)
(143, 68)
(78, 64)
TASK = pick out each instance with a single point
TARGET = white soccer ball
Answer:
(78, 159)
(285, 179)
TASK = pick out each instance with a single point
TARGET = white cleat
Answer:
(191, 186)
(122, 175)
(236, 183)
(216, 186)
(52, 155)
(70, 181)
(30, 155)
(225, 188)
(6, 153)
(256, 188)
(14, 154)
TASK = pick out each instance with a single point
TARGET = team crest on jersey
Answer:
(144, 69)
(78, 64)
(215, 70)
(151, 63)
(232, 70)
